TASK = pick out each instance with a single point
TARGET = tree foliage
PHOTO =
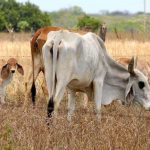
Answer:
(87, 22)
(27, 16)
(23, 25)
(22, 16)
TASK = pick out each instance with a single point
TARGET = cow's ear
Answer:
(132, 65)
(5, 72)
(129, 92)
(20, 69)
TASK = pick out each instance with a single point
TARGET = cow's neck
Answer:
(115, 83)
(112, 92)
(116, 73)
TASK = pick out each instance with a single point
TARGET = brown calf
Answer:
(7, 71)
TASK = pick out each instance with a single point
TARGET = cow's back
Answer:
(79, 56)
(41, 39)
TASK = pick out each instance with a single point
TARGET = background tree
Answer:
(88, 23)
(10, 15)
(14, 13)
(23, 25)
(22, 16)
(2, 21)
(33, 15)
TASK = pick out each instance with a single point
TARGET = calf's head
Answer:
(10, 67)
(138, 88)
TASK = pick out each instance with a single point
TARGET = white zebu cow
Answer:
(81, 63)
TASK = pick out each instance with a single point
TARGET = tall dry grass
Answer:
(121, 127)
(126, 48)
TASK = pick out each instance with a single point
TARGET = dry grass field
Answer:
(121, 127)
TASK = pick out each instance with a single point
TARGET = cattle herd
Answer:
(78, 62)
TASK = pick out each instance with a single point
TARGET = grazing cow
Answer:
(142, 65)
(81, 63)
(7, 72)
(36, 44)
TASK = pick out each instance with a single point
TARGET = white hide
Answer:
(81, 63)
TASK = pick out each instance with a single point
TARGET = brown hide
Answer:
(142, 65)
(40, 37)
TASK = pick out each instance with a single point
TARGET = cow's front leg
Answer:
(98, 88)
(71, 103)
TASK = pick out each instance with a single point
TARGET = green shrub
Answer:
(87, 22)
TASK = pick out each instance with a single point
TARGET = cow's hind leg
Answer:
(58, 97)
(71, 103)
(55, 101)
(50, 107)
(88, 96)
(30, 87)
(85, 100)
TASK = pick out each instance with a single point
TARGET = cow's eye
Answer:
(141, 84)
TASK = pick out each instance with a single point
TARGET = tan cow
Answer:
(103, 31)
(142, 65)
(36, 45)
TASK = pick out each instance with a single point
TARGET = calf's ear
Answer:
(20, 69)
(5, 72)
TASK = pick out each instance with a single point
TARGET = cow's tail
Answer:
(33, 92)
(54, 56)
(34, 48)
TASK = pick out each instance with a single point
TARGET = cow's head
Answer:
(138, 87)
(10, 68)
(103, 30)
